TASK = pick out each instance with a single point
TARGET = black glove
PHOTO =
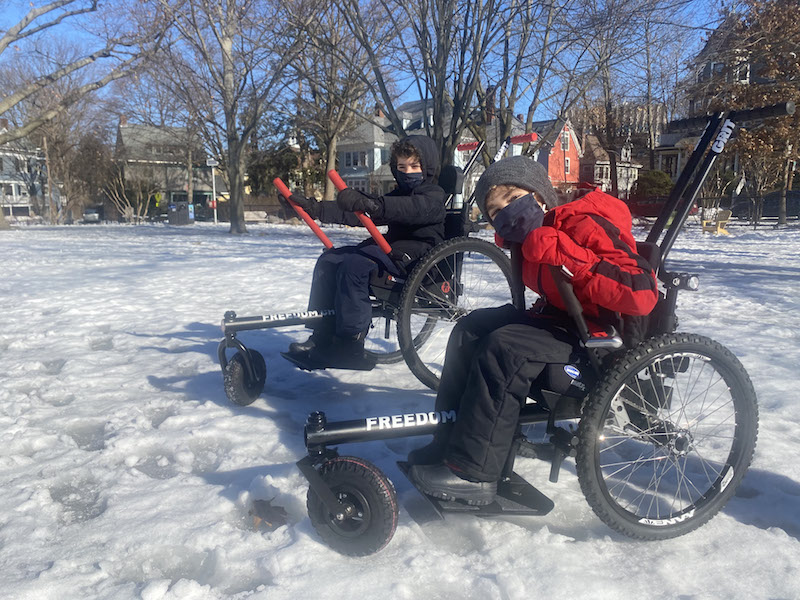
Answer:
(310, 205)
(351, 200)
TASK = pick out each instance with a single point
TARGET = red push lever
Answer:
(301, 213)
(365, 220)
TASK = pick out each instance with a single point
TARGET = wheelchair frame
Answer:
(245, 372)
(348, 490)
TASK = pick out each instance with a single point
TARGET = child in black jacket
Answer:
(415, 215)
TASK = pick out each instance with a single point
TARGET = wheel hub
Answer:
(680, 443)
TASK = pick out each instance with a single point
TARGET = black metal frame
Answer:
(385, 288)
(320, 434)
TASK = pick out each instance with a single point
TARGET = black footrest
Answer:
(515, 496)
(309, 363)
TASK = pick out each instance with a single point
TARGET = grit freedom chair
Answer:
(666, 429)
(455, 277)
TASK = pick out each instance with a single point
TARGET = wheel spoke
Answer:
(668, 435)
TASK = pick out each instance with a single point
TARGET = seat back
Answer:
(451, 180)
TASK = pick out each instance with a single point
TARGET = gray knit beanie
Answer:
(519, 171)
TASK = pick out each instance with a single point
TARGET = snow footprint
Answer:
(158, 464)
(88, 436)
(80, 501)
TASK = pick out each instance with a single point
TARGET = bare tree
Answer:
(130, 196)
(143, 98)
(335, 70)
(227, 62)
(118, 46)
(440, 46)
(543, 61)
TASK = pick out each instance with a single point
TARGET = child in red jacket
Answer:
(495, 355)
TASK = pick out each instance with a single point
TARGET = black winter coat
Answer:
(415, 220)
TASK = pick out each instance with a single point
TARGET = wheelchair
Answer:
(662, 428)
(412, 314)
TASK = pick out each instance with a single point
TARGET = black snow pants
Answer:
(493, 357)
(341, 281)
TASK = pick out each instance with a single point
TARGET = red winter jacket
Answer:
(592, 238)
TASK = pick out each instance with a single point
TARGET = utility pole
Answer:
(210, 162)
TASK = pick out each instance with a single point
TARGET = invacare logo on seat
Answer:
(411, 420)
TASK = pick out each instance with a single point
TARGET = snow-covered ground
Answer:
(126, 473)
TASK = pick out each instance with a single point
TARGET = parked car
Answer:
(651, 206)
(92, 214)
(742, 206)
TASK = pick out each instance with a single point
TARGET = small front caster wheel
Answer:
(240, 387)
(369, 514)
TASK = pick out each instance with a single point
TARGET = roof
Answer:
(142, 142)
(549, 130)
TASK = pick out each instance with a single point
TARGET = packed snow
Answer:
(126, 473)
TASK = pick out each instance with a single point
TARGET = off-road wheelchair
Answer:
(413, 314)
(662, 430)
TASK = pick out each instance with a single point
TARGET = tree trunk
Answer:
(786, 184)
(330, 163)
(786, 181)
(3, 223)
(49, 203)
(236, 178)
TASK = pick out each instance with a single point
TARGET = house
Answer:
(596, 166)
(159, 157)
(22, 177)
(363, 154)
(675, 146)
(718, 65)
(560, 152)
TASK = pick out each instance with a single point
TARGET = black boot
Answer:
(319, 338)
(441, 482)
(344, 352)
(433, 453)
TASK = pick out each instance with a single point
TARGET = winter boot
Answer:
(320, 338)
(344, 352)
(440, 481)
(433, 453)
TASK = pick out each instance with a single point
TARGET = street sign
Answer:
(210, 162)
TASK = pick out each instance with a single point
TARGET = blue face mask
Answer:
(514, 222)
(408, 181)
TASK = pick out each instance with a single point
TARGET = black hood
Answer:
(429, 156)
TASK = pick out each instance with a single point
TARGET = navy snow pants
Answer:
(493, 357)
(341, 281)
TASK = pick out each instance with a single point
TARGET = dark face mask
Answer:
(408, 181)
(514, 222)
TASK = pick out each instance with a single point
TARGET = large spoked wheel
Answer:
(667, 436)
(240, 387)
(370, 515)
(451, 281)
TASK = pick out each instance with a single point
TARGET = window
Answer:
(384, 156)
(355, 159)
(2, 166)
(362, 185)
(566, 165)
(565, 141)
(742, 73)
